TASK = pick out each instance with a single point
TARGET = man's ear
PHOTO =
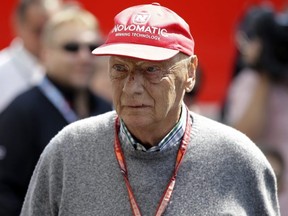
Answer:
(191, 73)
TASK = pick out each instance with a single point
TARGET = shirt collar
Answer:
(172, 138)
(25, 62)
(18, 50)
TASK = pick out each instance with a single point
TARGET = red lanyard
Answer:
(169, 189)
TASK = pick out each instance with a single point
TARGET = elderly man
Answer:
(62, 97)
(151, 156)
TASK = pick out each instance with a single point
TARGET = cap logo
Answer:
(141, 18)
(148, 32)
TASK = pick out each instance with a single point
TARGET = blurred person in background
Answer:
(62, 97)
(257, 101)
(19, 63)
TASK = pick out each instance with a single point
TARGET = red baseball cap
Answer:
(150, 32)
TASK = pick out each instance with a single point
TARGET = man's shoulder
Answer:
(218, 132)
(29, 97)
(84, 133)
(100, 120)
(206, 123)
(92, 125)
(224, 139)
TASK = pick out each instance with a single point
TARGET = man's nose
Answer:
(134, 83)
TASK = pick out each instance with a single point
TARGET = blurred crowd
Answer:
(46, 82)
(257, 98)
(49, 78)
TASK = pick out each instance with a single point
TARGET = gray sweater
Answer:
(223, 173)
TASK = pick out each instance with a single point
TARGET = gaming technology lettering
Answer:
(138, 29)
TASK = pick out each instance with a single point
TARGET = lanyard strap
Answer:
(57, 99)
(169, 189)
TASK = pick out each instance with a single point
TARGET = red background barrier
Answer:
(212, 24)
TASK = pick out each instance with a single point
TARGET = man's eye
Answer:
(120, 68)
(152, 69)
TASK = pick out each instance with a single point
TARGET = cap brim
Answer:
(140, 51)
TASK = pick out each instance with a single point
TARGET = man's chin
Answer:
(136, 120)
